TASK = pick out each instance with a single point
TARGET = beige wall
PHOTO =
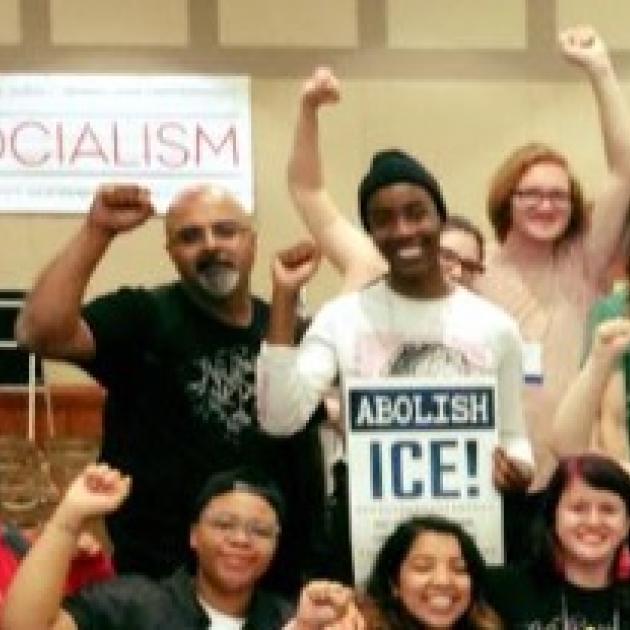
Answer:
(459, 83)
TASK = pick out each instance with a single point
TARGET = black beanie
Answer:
(391, 167)
(246, 479)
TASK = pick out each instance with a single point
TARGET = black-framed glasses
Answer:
(230, 524)
(535, 196)
(451, 257)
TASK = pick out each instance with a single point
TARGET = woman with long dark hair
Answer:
(428, 574)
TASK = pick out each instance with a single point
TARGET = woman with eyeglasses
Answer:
(552, 254)
(578, 575)
(233, 536)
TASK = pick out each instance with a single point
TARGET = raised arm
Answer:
(292, 268)
(578, 416)
(613, 434)
(50, 323)
(291, 379)
(583, 47)
(349, 250)
(34, 598)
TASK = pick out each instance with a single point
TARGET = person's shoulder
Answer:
(117, 591)
(269, 610)
(489, 313)
(346, 301)
(503, 582)
(124, 293)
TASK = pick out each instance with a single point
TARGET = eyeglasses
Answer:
(535, 196)
(451, 257)
(229, 525)
(220, 230)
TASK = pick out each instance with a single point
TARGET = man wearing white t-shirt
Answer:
(412, 321)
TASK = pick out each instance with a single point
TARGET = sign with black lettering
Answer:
(421, 446)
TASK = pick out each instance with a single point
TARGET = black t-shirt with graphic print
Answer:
(527, 601)
(180, 405)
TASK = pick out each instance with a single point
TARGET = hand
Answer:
(508, 473)
(327, 605)
(295, 266)
(320, 88)
(611, 340)
(582, 46)
(88, 545)
(97, 491)
(120, 207)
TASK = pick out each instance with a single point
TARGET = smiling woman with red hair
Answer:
(578, 575)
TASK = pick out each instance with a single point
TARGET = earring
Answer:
(622, 568)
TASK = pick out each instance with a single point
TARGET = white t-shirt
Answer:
(377, 332)
(221, 621)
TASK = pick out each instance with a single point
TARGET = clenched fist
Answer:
(120, 207)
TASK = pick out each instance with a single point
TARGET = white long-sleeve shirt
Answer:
(376, 332)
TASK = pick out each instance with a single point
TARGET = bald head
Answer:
(212, 243)
(212, 202)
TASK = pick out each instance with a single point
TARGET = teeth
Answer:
(410, 252)
(440, 601)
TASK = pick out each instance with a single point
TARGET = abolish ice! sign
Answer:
(418, 447)
(62, 135)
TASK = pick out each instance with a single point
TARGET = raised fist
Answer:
(584, 47)
(120, 207)
(97, 491)
(327, 605)
(295, 266)
(320, 88)
(611, 340)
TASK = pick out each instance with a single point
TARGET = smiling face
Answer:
(460, 256)
(235, 539)
(434, 585)
(591, 524)
(404, 224)
(541, 202)
(211, 242)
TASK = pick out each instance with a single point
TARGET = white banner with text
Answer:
(63, 135)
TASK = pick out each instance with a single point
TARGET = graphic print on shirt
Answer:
(430, 359)
(574, 622)
(381, 355)
(220, 390)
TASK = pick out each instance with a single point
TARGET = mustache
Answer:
(209, 262)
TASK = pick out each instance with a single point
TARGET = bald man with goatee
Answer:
(177, 361)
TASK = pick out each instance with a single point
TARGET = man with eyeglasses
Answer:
(233, 536)
(178, 365)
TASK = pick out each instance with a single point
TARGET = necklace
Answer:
(565, 617)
